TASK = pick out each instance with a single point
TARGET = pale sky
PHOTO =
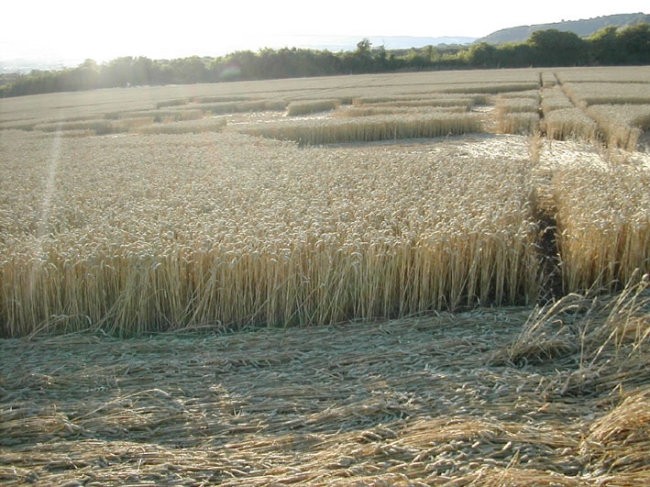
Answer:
(79, 29)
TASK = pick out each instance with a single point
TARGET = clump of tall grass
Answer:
(548, 79)
(597, 343)
(18, 125)
(371, 128)
(369, 100)
(157, 116)
(517, 115)
(97, 126)
(587, 94)
(127, 114)
(510, 104)
(530, 94)
(243, 106)
(275, 105)
(621, 125)
(406, 101)
(554, 99)
(438, 98)
(569, 123)
(160, 116)
(389, 109)
(524, 123)
(213, 124)
(607, 74)
(80, 125)
(589, 330)
(432, 103)
(491, 88)
(219, 99)
(172, 103)
(367, 111)
(306, 107)
(125, 122)
(603, 223)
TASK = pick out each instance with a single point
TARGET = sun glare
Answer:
(76, 29)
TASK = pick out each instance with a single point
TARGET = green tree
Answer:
(363, 47)
(240, 65)
(144, 71)
(381, 58)
(362, 61)
(604, 46)
(482, 55)
(634, 43)
(515, 55)
(118, 72)
(88, 75)
(555, 48)
(189, 70)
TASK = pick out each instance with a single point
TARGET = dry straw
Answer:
(518, 123)
(491, 88)
(99, 126)
(157, 115)
(305, 107)
(371, 128)
(530, 94)
(569, 123)
(242, 106)
(438, 101)
(621, 125)
(517, 104)
(603, 225)
(219, 98)
(548, 79)
(586, 94)
(610, 74)
(119, 122)
(411, 402)
(172, 103)
(554, 99)
(213, 124)
(370, 110)
(517, 115)
(389, 109)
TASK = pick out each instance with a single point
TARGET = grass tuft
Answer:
(371, 128)
(306, 107)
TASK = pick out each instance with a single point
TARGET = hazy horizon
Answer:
(73, 29)
(333, 43)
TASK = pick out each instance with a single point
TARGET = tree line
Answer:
(610, 46)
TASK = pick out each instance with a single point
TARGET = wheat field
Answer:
(207, 230)
(162, 208)
(406, 279)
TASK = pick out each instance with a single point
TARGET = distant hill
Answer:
(337, 43)
(406, 42)
(582, 28)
